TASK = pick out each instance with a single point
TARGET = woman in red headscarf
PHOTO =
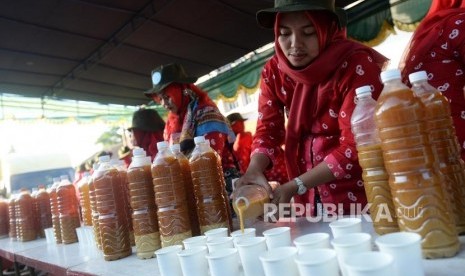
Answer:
(192, 113)
(438, 47)
(311, 79)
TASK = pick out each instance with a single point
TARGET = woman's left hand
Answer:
(284, 193)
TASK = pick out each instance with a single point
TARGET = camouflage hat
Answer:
(167, 74)
(147, 120)
(233, 117)
(266, 17)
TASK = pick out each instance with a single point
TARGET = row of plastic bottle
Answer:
(164, 201)
(413, 173)
(26, 215)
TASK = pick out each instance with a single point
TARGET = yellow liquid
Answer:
(376, 179)
(416, 185)
(254, 210)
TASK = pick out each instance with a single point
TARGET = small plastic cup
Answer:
(195, 241)
(350, 244)
(280, 261)
(277, 237)
(168, 262)
(223, 262)
(405, 248)
(219, 243)
(320, 261)
(248, 232)
(249, 249)
(345, 226)
(217, 232)
(372, 263)
(312, 241)
(50, 235)
(193, 261)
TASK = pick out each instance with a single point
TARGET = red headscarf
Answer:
(427, 32)
(177, 122)
(334, 47)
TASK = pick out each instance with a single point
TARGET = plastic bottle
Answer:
(170, 197)
(226, 196)
(84, 199)
(189, 186)
(209, 190)
(54, 209)
(121, 167)
(68, 209)
(12, 215)
(144, 210)
(4, 219)
(112, 210)
(248, 202)
(25, 217)
(445, 143)
(370, 157)
(93, 207)
(414, 177)
(43, 210)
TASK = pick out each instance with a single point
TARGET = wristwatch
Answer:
(301, 188)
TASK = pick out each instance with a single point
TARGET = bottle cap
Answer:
(363, 90)
(199, 139)
(390, 74)
(138, 152)
(418, 76)
(162, 145)
(175, 147)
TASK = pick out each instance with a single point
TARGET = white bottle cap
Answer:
(162, 145)
(418, 76)
(138, 152)
(175, 147)
(363, 90)
(199, 139)
(390, 74)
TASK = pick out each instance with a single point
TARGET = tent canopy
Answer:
(104, 50)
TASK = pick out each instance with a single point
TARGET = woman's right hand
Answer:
(254, 177)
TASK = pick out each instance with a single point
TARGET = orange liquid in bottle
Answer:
(142, 199)
(414, 179)
(54, 210)
(170, 197)
(187, 176)
(112, 210)
(44, 212)
(12, 215)
(4, 219)
(444, 141)
(249, 210)
(94, 213)
(209, 190)
(68, 209)
(84, 201)
(25, 219)
(376, 183)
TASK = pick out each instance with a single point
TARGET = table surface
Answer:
(76, 259)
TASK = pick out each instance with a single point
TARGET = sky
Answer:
(78, 139)
(394, 46)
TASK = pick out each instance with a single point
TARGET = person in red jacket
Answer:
(438, 47)
(311, 81)
(243, 144)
